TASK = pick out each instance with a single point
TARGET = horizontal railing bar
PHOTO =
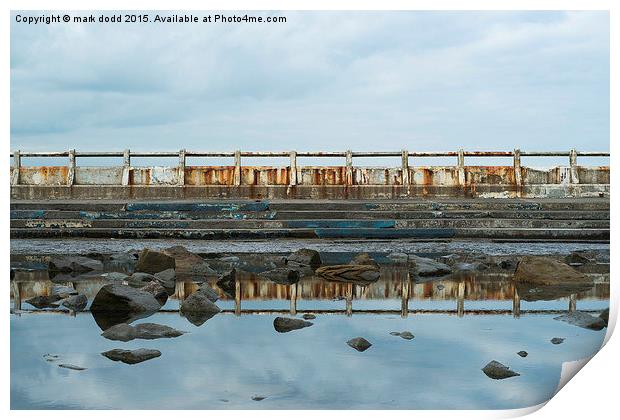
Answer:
(310, 154)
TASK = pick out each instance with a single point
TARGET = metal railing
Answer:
(405, 155)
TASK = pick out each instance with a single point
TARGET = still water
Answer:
(459, 323)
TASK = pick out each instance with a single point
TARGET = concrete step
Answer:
(308, 224)
(312, 214)
(581, 204)
(351, 233)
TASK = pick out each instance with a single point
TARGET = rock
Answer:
(396, 333)
(522, 353)
(548, 272)
(427, 267)
(145, 331)
(496, 370)
(167, 278)
(359, 343)
(76, 303)
(124, 261)
(406, 335)
(605, 316)
(152, 262)
(157, 290)
(63, 291)
(258, 398)
(209, 292)
(115, 277)
(42, 302)
(557, 340)
(363, 259)
(117, 303)
(362, 274)
(578, 258)
(507, 264)
(198, 307)
(307, 257)
(226, 282)
(583, 320)
(283, 325)
(188, 264)
(308, 316)
(131, 357)
(440, 287)
(281, 275)
(398, 257)
(140, 279)
(70, 366)
(74, 264)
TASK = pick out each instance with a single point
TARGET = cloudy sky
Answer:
(321, 81)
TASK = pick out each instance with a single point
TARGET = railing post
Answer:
(405, 166)
(71, 175)
(516, 303)
(293, 293)
(517, 169)
(237, 177)
(349, 164)
(293, 170)
(181, 168)
(126, 167)
(574, 175)
(17, 164)
(460, 300)
(461, 166)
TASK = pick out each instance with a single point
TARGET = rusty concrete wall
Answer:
(309, 182)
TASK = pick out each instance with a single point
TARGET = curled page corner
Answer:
(569, 370)
(611, 323)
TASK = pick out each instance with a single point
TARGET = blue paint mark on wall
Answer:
(28, 214)
(340, 224)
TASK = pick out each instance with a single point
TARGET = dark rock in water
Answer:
(74, 264)
(258, 398)
(76, 303)
(359, 343)
(427, 267)
(157, 290)
(118, 303)
(531, 292)
(70, 366)
(198, 307)
(283, 325)
(308, 257)
(363, 259)
(145, 331)
(522, 353)
(281, 275)
(359, 274)
(396, 333)
(308, 316)
(583, 320)
(42, 302)
(496, 370)
(605, 316)
(407, 335)
(152, 262)
(140, 279)
(557, 340)
(168, 279)
(547, 272)
(131, 357)
(63, 291)
(209, 292)
(123, 261)
(226, 282)
(507, 264)
(440, 287)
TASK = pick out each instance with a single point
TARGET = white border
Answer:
(592, 395)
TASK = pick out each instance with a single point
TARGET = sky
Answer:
(333, 81)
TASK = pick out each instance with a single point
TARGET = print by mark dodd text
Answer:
(146, 18)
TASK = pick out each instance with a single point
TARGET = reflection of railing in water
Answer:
(407, 293)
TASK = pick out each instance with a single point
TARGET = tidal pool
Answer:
(460, 324)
